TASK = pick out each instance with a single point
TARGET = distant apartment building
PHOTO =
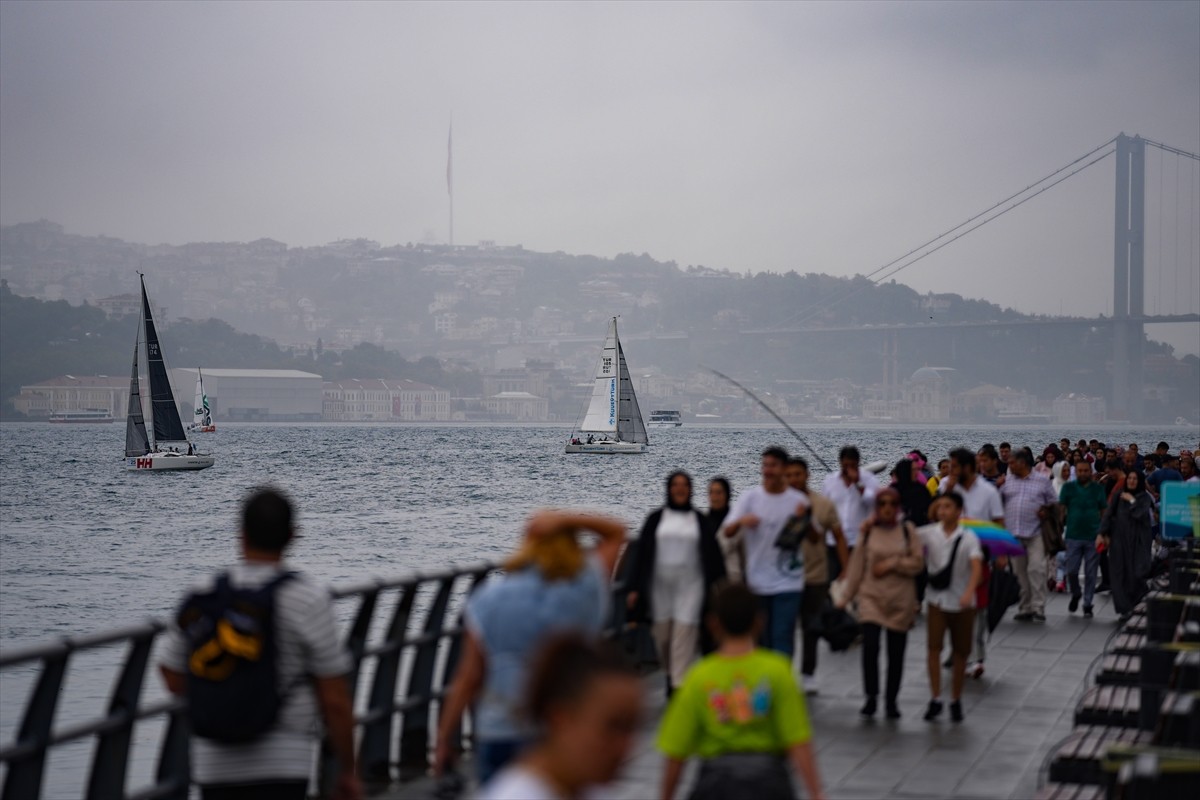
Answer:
(1078, 409)
(70, 393)
(121, 305)
(379, 400)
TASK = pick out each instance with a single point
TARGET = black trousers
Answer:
(811, 604)
(272, 790)
(896, 641)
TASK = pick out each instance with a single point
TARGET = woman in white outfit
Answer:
(676, 564)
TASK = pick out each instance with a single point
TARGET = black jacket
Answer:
(712, 564)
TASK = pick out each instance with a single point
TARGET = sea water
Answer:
(86, 545)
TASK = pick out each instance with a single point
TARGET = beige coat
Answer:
(890, 601)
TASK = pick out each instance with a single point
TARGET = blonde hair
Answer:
(557, 556)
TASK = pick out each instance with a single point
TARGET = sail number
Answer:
(606, 365)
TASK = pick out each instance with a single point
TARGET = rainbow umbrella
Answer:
(996, 539)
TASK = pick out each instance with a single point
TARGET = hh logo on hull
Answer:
(142, 463)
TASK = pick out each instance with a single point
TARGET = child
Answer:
(741, 711)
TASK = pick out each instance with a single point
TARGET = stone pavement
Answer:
(1015, 714)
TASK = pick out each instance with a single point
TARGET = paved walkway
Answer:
(1015, 713)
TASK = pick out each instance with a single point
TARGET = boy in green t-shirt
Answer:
(741, 711)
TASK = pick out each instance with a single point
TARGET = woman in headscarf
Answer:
(881, 573)
(1128, 529)
(552, 585)
(914, 497)
(678, 560)
(719, 495)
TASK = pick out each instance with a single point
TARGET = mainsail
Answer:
(163, 411)
(630, 427)
(202, 413)
(136, 443)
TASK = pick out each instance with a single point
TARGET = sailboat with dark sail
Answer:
(165, 445)
(612, 422)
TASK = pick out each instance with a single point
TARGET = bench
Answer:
(1119, 669)
(1070, 791)
(1079, 758)
(1110, 706)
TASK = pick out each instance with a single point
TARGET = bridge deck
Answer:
(1021, 707)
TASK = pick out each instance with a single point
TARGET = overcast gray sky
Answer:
(809, 136)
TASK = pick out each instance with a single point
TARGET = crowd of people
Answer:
(726, 592)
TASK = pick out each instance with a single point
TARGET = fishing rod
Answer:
(770, 411)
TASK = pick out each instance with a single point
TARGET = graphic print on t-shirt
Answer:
(740, 705)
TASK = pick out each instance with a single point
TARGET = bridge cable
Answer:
(1170, 149)
(968, 221)
(808, 313)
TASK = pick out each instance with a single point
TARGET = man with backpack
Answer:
(256, 654)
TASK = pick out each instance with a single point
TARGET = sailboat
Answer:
(165, 446)
(612, 422)
(202, 421)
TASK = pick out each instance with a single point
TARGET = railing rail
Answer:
(410, 664)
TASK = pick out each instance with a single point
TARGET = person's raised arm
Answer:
(610, 530)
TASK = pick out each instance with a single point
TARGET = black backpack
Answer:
(233, 689)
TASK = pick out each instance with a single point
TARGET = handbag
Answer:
(941, 578)
(838, 628)
(1052, 529)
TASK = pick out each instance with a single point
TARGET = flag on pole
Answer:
(450, 161)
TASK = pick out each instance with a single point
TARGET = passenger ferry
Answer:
(665, 419)
(93, 415)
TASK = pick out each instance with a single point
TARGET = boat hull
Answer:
(160, 461)
(607, 448)
(203, 429)
(657, 424)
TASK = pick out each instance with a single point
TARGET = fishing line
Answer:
(770, 411)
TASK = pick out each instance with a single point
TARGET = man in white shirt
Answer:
(853, 492)
(981, 500)
(951, 608)
(775, 574)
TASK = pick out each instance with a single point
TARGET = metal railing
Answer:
(403, 668)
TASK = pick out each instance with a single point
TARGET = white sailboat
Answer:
(166, 446)
(612, 422)
(202, 421)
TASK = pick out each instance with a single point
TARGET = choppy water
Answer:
(86, 545)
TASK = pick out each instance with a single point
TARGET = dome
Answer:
(931, 375)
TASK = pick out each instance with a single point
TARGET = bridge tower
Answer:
(1129, 279)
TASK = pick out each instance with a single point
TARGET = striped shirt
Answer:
(1023, 498)
(308, 645)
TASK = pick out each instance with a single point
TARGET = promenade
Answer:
(1015, 713)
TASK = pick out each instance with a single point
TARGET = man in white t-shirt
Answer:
(981, 500)
(853, 492)
(773, 573)
(952, 607)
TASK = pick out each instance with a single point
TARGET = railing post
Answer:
(413, 754)
(373, 749)
(24, 779)
(111, 758)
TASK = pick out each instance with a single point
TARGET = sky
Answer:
(819, 137)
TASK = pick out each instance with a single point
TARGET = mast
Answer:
(164, 413)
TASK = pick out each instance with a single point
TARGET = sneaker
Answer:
(934, 711)
(1074, 605)
(1087, 611)
(810, 684)
(1024, 616)
(956, 714)
(893, 710)
(1039, 616)
(975, 670)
